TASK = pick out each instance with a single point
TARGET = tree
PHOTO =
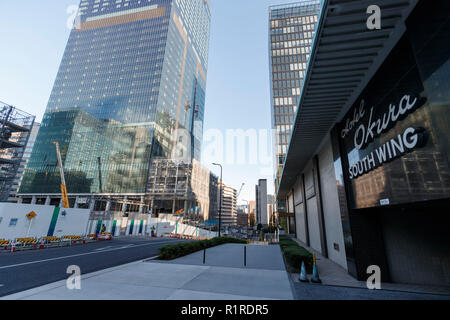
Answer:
(251, 219)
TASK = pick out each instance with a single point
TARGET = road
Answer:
(25, 270)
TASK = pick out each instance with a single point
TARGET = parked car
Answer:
(104, 236)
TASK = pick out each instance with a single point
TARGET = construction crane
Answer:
(237, 197)
(65, 199)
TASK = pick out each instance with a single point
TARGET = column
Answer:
(20, 200)
(124, 207)
(91, 204)
(47, 200)
(141, 206)
(108, 205)
(33, 200)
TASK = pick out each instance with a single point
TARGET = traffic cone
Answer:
(303, 277)
(315, 277)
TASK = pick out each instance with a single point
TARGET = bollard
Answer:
(245, 256)
(204, 256)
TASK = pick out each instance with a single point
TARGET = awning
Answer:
(344, 56)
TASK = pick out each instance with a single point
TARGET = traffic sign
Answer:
(31, 215)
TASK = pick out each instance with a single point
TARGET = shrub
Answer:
(295, 254)
(173, 251)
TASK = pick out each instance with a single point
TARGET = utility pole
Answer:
(220, 199)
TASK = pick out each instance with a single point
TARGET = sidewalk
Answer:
(333, 274)
(223, 277)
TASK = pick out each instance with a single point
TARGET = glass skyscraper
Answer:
(131, 86)
(291, 32)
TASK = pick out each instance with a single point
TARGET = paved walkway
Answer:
(336, 276)
(223, 277)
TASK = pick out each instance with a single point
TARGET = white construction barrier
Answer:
(173, 226)
(35, 221)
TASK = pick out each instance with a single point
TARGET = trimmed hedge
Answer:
(173, 251)
(295, 254)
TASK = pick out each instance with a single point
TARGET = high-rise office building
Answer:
(227, 205)
(262, 215)
(291, 32)
(130, 87)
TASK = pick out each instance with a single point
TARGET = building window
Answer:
(13, 222)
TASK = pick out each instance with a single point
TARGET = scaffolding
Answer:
(178, 186)
(15, 130)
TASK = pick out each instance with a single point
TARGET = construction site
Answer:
(185, 190)
(15, 131)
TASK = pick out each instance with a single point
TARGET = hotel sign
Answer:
(366, 125)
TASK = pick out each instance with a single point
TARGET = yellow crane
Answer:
(65, 199)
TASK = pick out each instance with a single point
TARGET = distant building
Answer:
(228, 213)
(262, 216)
(271, 208)
(241, 209)
(252, 213)
(252, 207)
(242, 219)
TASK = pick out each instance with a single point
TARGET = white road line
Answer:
(80, 254)
(100, 249)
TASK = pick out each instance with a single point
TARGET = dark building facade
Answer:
(375, 188)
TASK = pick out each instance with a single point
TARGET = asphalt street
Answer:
(29, 269)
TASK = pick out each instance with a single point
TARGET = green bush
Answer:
(173, 251)
(295, 254)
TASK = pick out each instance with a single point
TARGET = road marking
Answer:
(80, 254)
(99, 249)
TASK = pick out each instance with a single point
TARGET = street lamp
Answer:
(248, 215)
(220, 199)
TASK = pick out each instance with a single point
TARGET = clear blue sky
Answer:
(34, 33)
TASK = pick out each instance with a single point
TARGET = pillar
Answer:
(108, 206)
(91, 204)
(47, 200)
(124, 207)
(141, 206)
(33, 200)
